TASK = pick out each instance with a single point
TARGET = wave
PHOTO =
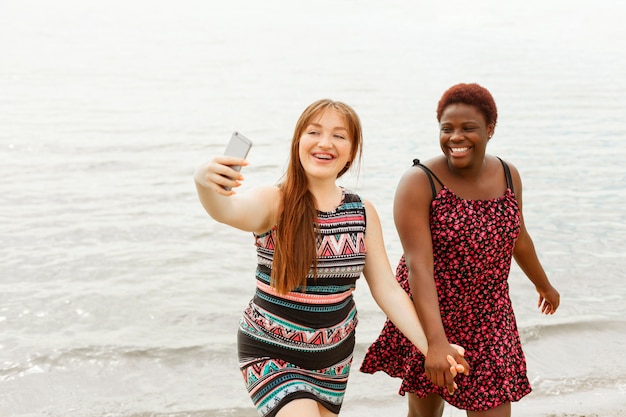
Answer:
(563, 386)
(601, 326)
(220, 412)
(105, 355)
(223, 412)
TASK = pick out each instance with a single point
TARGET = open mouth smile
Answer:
(459, 150)
(323, 156)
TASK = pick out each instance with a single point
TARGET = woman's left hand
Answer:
(549, 300)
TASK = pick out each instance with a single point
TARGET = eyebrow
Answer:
(333, 128)
(464, 122)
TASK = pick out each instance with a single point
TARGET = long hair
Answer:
(295, 250)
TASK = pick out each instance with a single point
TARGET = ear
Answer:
(491, 129)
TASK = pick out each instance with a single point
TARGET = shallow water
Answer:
(120, 297)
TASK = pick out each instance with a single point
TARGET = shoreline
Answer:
(592, 403)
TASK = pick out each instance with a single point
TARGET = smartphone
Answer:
(238, 146)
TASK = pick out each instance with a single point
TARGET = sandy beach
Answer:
(593, 402)
(589, 404)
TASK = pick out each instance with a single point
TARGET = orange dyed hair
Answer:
(473, 95)
(295, 252)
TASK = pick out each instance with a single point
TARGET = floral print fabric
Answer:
(473, 243)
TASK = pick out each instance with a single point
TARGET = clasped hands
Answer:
(444, 363)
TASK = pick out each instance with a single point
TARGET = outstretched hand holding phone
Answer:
(222, 173)
(238, 146)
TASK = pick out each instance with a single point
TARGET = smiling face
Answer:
(463, 135)
(325, 146)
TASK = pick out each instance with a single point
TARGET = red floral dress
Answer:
(473, 243)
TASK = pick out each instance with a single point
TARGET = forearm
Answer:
(426, 304)
(216, 205)
(398, 307)
(526, 257)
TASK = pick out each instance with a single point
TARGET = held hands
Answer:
(443, 363)
(217, 174)
(456, 367)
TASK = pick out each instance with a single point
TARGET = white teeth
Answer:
(459, 150)
(320, 156)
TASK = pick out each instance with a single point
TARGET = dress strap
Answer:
(507, 175)
(430, 175)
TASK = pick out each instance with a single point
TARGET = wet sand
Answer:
(592, 403)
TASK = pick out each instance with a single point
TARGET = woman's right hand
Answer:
(443, 363)
(218, 175)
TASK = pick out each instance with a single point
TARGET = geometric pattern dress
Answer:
(473, 242)
(300, 344)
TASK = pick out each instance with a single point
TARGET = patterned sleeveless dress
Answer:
(473, 243)
(300, 345)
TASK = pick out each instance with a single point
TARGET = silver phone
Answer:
(238, 146)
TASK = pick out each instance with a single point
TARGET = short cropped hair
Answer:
(470, 94)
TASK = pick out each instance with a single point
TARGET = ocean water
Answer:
(119, 296)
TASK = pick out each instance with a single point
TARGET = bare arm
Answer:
(411, 216)
(526, 257)
(390, 296)
(253, 211)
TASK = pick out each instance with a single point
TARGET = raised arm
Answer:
(255, 210)
(411, 216)
(526, 257)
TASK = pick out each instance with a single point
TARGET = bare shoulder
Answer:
(515, 175)
(270, 190)
(370, 209)
(414, 175)
(267, 194)
(415, 180)
(273, 195)
(264, 203)
(373, 225)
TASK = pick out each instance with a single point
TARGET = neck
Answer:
(326, 195)
(471, 172)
